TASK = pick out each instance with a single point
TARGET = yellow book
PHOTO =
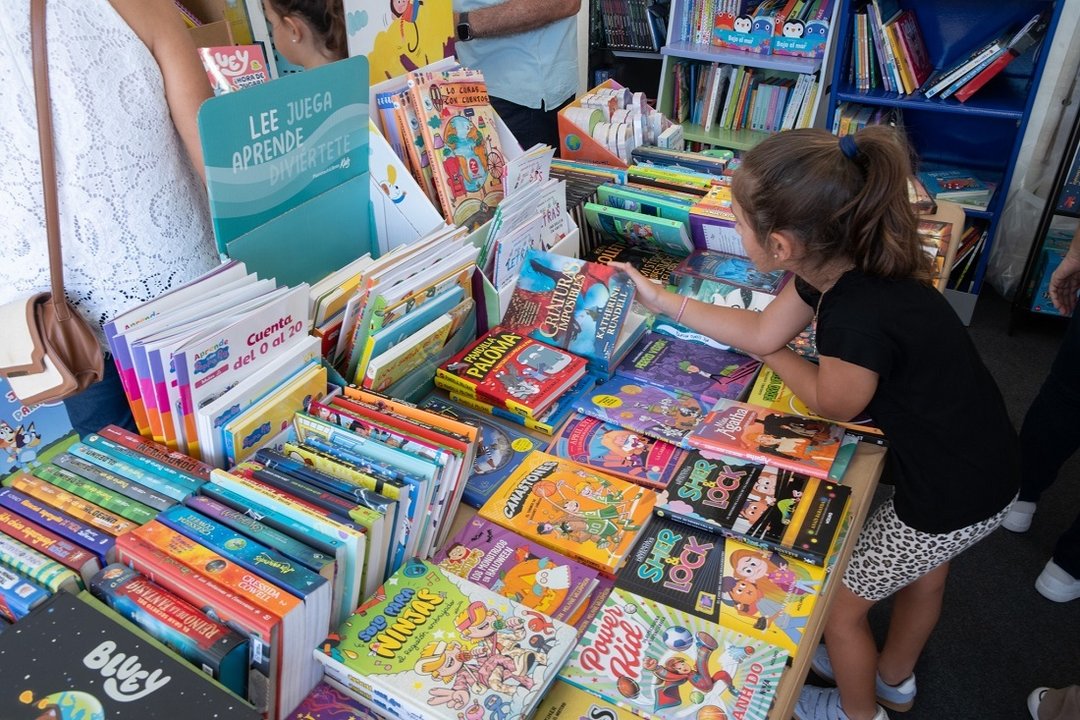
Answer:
(76, 507)
(770, 392)
(564, 701)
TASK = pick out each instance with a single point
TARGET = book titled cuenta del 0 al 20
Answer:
(74, 658)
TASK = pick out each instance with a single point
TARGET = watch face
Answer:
(464, 32)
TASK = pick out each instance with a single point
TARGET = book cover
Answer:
(511, 369)
(661, 662)
(953, 184)
(572, 304)
(106, 670)
(788, 441)
(653, 265)
(731, 270)
(707, 373)
(533, 575)
(662, 413)
(399, 36)
(614, 450)
(328, 703)
(429, 644)
(501, 449)
(766, 595)
(564, 506)
(645, 231)
(677, 565)
(234, 67)
(724, 294)
(212, 647)
(18, 596)
(569, 702)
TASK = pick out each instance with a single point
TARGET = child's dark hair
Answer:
(325, 17)
(840, 204)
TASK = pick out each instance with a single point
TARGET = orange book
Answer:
(76, 507)
(568, 507)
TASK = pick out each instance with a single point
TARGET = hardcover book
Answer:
(662, 413)
(661, 662)
(614, 450)
(108, 669)
(511, 369)
(707, 373)
(429, 644)
(677, 565)
(792, 442)
(569, 303)
(533, 575)
(564, 506)
(768, 596)
(18, 596)
(653, 265)
(732, 270)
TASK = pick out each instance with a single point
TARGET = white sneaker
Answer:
(1034, 700)
(1055, 584)
(1018, 519)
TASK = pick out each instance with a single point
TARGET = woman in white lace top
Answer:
(126, 85)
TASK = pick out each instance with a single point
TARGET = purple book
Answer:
(661, 413)
(702, 371)
(73, 530)
(519, 569)
(327, 703)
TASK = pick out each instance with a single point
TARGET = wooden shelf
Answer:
(731, 139)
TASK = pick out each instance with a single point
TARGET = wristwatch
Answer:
(464, 29)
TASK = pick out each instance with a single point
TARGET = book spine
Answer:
(129, 472)
(125, 507)
(112, 481)
(18, 596)
(758, 542)
(89, 538)
(985, 75)
(178, 461)
(36, 566)
(498, 411)
(75, 507)
(48, 543)
(326, 501)
(970, 74)
(165, 467)
(951, 75)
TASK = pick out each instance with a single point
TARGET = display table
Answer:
(862, 476)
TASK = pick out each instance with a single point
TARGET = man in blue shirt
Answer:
(527, 50)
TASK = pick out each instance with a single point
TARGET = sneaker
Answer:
(817, 703)
(895, 697)
(1035, 700)
(1055, 584)
(1018, 519)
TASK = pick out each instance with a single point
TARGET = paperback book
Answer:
(614, 450)
(662, 413)
(653, 265)
(730, 269)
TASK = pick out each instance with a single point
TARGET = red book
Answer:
(156, 451)
(913, 47)
(49, 543)
(1028, 35)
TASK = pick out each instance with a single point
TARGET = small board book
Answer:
(677, 565)
(766, 595)
(661, 662)
(569, 702)
(564, 506)
(572, 304)
(429, 643)
(501, 448)
(533, 575)
(661, 413)
(707, 373)
(511, 369)
(788, 441)
(730, 269)
(108, 669)
(614, 450)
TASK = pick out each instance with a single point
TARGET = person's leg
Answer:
(102, 403)
(915, 611)
(1067, 550)
(853, 653)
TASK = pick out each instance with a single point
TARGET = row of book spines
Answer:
(94, 515)
(70, 555)
(966, 259)
(890, 52)
(37, 567)
(749, 102)
(628, 26)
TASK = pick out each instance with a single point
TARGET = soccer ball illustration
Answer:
(678, 638)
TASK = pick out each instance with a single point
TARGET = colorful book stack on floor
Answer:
(429, 644)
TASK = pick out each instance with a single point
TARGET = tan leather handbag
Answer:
(48, 351)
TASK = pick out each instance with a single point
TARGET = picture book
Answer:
(326, 702)
(569, 702)
(212, 647)
(764, 436)
(614, 450)
(724, 294)
(645, 231)
(731, 269)
(954, 184)
(590, 516)
(108, 669)
(662, 413)
(656, 266)
(662, 662)
(677, 565)
(458, 125)
(501, 449)
(569, 303)
(399, 36)
(511, 369)
(533, 575)
(429, 644)
(768, 596)
(234, 67)
(708, 374)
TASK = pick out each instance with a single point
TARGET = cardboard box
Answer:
(217, 27)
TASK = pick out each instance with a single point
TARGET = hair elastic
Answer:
(682, 308)
(849, 147)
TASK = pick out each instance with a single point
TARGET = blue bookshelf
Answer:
(984, 134)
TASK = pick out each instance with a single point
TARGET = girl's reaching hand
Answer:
(649, 294)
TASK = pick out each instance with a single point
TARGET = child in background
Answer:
(836, 214)
(308, 33)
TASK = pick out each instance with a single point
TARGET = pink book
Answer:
(913, 47)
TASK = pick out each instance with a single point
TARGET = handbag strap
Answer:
(39, 55)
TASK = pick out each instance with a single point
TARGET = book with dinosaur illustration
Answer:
(614, 450)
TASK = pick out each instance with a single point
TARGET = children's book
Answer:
(533, 575)
(569, 702)
(656, 266)
(569, 303)
(787, 441)
(234, 67)
(547, 422)
(708, 374)
(513, 370)
(732, 270)
(501, 448)
(766, 595)
(659, 661)
(18, 596)
(614, 450)
(724, 294)
(429, 644)
(662, 413)
(399, 36)
(591, 516)
(645, 231)
(677, 565)
(458, 125)
(326, 702)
